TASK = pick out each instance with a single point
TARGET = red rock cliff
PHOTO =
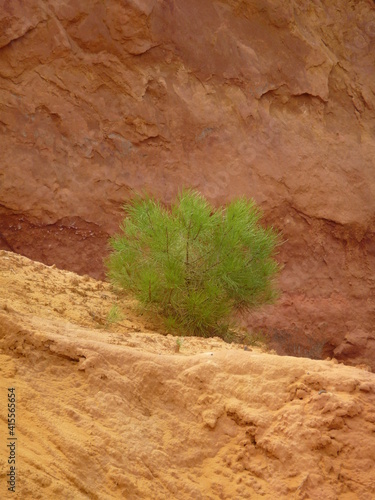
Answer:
(263, 98)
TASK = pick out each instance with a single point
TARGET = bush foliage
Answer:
(194, 264)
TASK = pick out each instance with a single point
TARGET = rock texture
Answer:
(111, 411)
(262, 98)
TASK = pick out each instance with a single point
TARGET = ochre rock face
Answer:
(269, 99)
(112, 410)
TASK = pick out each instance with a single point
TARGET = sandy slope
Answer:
(113, 412)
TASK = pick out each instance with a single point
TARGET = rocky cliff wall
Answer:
(262, 98)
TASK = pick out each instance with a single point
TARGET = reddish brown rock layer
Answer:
(254, 98)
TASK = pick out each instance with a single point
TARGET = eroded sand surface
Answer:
(112, 411)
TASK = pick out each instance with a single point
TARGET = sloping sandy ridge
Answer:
(108, 411)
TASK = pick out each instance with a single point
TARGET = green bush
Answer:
(194, 264)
